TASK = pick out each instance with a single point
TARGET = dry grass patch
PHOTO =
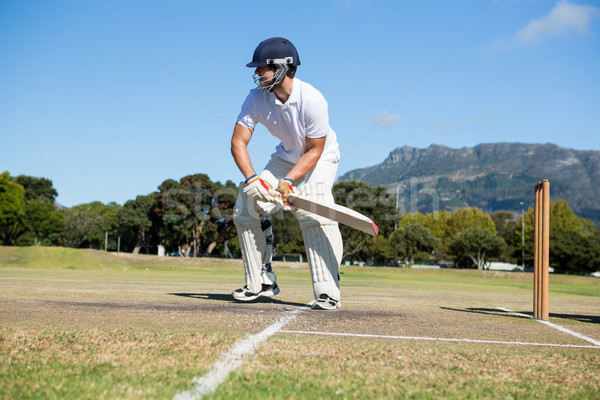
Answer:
(51, 363)
(89, 324)
(366, 368)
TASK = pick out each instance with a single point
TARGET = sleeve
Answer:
(247, 116)
(316, 120)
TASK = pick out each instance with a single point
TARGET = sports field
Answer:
(81, 324)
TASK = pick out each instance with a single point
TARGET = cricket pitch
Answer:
(100, 325)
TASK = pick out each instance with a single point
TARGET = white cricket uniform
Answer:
(304, 115)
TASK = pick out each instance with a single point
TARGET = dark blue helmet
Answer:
(275, 50)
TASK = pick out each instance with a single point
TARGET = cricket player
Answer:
(297, 114)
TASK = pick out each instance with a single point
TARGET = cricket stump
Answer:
(541, 256)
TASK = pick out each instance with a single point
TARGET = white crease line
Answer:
(560, 328)
(438, 339)
(232, 359)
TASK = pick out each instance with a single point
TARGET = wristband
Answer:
(250, 177)
(290, 180)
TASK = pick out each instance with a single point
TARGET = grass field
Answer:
(78, 324)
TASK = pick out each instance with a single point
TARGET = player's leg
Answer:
(267, 275)
(322, 238)
(252, 244)
(256, 243)
(255, 234)
(275, 169)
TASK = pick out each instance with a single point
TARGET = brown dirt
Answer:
(158, 307)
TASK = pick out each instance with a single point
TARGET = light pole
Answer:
(396, 225)
(522, 237)
(397, 201)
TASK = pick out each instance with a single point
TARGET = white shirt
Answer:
(304, 115)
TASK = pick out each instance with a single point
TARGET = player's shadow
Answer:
(229, 299)
(590, 319)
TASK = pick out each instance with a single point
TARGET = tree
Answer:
(42, 220)
(287, 234)
(195, 214)
(108, 214)
(134, 220)
(506, 223)
(562, 218)
(445, 225)
(476, 246)
(378, 204)
(470, 218)
(563, 221)
(166, 214)
(437, 222)
(12, 208)
(196, 196)
(80, 225)
(413, 238)
(37, 188)
(574, 252)
(220, 227)
(381, 249)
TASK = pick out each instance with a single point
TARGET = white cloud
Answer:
(564, 19)
(480, 120)
(467, 123)
(386, 119)
(446, 127)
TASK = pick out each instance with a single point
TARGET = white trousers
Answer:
(324, 173)
(322, 238)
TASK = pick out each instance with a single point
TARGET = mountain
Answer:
(492, 177)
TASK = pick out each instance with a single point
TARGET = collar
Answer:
(294, 96)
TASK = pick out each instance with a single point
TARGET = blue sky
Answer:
(110, 98)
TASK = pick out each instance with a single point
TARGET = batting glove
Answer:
(258, 189)
(285, 188)
(273, 204)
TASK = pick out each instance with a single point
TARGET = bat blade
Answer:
(336, 212)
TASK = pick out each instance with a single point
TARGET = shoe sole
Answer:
(247, 298)
(266, 293)
(326, 306)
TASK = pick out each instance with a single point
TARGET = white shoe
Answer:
(324, 302)
(244, 294)
(269, 290)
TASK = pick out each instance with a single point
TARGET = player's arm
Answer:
(307, 162)
(255, 186)
(239, 149)
(309, 159)
(316, 120)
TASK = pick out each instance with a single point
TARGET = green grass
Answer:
(61, 258)
(89, 264)
(66, 259)
(55, 364)
(369, 369)
(53, 345)
(464, 280)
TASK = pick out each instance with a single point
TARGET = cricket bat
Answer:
(341, 214)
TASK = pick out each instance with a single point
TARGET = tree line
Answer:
(193, 217)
